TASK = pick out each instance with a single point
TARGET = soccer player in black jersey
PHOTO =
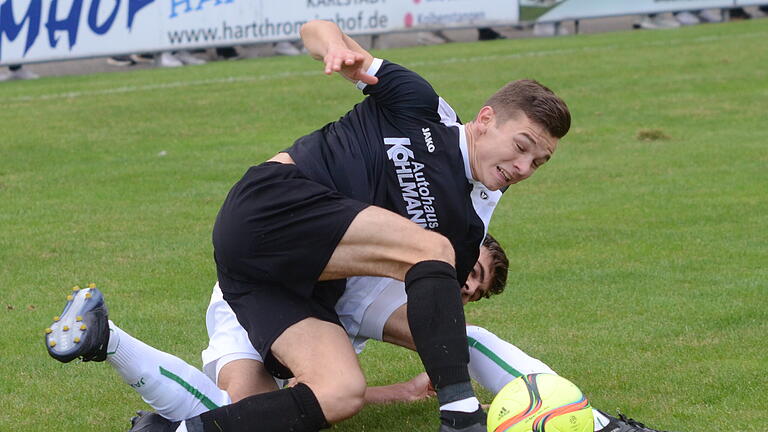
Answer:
(353, 198)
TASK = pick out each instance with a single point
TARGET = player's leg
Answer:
(245, 377)
(330, 385)
(494, 362)
(175, 389)
(230, 359)
(381, 243)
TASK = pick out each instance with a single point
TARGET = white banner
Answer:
(44, 30)
(584, 9)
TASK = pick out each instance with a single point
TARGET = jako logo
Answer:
(69, 23)
(428, 139)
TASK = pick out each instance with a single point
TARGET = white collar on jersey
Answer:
(448, 117)
(465, 154)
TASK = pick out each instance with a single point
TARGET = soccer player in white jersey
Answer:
(177, 390)
(397, 187)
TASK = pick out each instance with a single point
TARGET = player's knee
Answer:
(436, 247)
(342, 399)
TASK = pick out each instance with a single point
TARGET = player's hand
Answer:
(348, 63)
(418, 388)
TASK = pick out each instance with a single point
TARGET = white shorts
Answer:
(364, 308)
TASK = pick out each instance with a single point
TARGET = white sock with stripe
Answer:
(493, 362)
(174, 388)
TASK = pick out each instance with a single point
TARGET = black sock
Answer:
(293, 409)
(436, 320)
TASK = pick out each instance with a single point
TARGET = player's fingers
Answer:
(337, 63)
(367, 78)
(328, 60)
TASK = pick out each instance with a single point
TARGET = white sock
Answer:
(175, 389)
(493, 362)
(470, 404)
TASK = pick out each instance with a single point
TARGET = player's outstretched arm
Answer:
(340, 53)
(415, 389)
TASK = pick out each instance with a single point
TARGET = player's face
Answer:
(508, 152)
(479, 280)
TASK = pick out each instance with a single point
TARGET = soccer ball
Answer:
(540, 403)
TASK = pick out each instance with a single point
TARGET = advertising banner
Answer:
(584, 9)
(45, 30)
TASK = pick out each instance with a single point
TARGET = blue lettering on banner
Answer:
(69, 23)
(93, 14)
(11, 29)
(187, 4)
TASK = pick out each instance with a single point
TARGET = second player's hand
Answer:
(349, 64)
(419, 387)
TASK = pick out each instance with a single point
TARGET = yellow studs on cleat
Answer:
(91, 285)
(65, 328)
(52, 343)
(76, 288)
(69, 297)
(83, 327)
(76, 340)
(56, 318)
(48, 330)
(79, 318)
(87, 295)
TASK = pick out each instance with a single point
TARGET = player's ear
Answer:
(485, 119)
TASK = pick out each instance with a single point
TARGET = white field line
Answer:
(436, 62)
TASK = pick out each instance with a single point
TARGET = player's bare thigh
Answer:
(320, 355)
(245, 377)
(379, 242)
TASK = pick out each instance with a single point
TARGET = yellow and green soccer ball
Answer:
(540, 403)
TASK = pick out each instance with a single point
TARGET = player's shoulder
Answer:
(391, 74)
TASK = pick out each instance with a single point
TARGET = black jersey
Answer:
(403, 148)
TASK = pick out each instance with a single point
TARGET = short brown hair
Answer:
(499, 266)
(540, 104)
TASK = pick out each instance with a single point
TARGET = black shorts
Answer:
(272, 239)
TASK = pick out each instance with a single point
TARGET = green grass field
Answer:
(639, 255)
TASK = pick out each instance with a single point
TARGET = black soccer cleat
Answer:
(624, 424)
(82, 329)
(456, 421)
(146, 421)
(477, 427)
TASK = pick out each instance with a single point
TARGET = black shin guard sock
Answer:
(293, 409)
(436, 320)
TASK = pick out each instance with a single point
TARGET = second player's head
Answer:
(515, 132)
(489, 276)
